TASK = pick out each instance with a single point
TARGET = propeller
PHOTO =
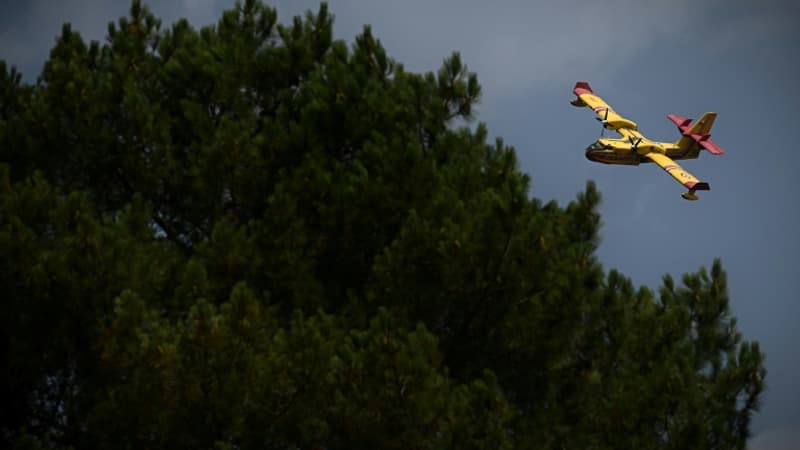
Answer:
(634, 143)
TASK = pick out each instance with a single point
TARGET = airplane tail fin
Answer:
(697, 135)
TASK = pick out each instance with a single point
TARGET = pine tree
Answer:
(254, 235)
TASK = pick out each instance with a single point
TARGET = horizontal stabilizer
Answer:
(682, 122)
(706, 142)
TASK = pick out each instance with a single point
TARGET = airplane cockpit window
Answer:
(596, 146)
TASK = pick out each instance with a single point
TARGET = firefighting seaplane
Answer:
(633, 148)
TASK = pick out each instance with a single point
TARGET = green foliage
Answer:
(253, 235)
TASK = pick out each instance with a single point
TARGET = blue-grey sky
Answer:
(647, 58)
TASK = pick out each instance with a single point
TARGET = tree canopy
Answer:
(254, 235)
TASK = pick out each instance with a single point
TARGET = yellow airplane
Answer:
(634, 148)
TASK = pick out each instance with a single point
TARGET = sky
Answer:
(647, 58)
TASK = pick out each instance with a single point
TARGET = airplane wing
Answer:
(605, 114)
(683, 177)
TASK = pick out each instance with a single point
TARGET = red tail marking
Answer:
(712, 147)
(683, 123)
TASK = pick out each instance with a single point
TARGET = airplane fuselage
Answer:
(623, 151)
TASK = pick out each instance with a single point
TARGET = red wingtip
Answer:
(697, 186)
(582, 87)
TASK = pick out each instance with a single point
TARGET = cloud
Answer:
(200, 12)
(643, 199)
(545, 43)
(754, 28)
(31, 31)
(516, 45)
(786, 437)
